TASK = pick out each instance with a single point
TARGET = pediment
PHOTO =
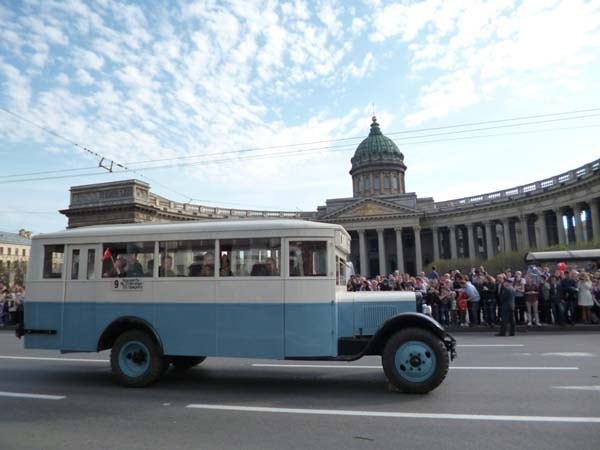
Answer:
(370, 208)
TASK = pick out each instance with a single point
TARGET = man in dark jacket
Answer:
(568, 292)
(507, 306)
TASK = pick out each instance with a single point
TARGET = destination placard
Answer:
(128, 284)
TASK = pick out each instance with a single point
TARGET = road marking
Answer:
(341, 366)
(42, 358)
(36, 396)
(399, 415)
(490, 345)
(570, 354)
(579, 388)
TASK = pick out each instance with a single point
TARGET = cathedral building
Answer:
(392, 229)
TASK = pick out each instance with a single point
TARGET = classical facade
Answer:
(14, 255)
(391, 228)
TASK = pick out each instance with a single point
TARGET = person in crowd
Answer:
(445, 298)
(488, 300)
(584, 297)
(545, 305)
(531, 295)
(568, 289)
(473, 299)
(433, 299)
(556, 302)
(461, 305)
(433, 275)
(507, 306)
(519, 285)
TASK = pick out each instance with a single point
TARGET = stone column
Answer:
(453, 252)
(506, 233)
(560, 226)
(418, 253)
(436, 243)
(489, 246)
(471, 241)
(381, 251)
(594, 205)
(578, 223)
(362, 248)
(541, 232)
(399, 249)
(522, 240)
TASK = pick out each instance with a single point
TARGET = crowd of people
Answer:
(11, 302)
(538, 296)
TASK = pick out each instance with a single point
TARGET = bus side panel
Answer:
(310, 325)
(250, 315)
(43, 311)
(186, 316)
(43, 315)
(187, 329)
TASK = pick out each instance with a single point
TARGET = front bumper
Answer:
(450, 344)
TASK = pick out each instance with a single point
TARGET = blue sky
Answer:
(141, 81)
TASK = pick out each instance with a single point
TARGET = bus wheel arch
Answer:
(123, 324)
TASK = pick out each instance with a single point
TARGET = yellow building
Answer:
(14, 255)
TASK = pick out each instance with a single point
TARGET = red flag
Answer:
(107, 254)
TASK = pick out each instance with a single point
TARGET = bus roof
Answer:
(563, 255)
(207, 226)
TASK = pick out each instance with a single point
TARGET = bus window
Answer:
(308, 258)
(131, 259)
(91, 264)
(75, 264)
(340, 273)
(187, 259)
(54, 256)
(250, 257)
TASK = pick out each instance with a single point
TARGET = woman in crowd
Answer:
(531, 295)
(519, 285)
(584, 297)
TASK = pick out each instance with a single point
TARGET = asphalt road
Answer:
(537, 391)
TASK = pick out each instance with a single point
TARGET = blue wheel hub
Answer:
(415, 361)
(134, 359)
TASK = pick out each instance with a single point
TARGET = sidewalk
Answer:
(526, 329)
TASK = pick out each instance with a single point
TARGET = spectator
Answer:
(531, 295)
(584, 298)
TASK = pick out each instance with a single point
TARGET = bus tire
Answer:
(136, 360)
(415, 361)
(182, 363)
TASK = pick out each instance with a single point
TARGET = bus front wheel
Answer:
(135, 359)
(181, 363)
(415, 361)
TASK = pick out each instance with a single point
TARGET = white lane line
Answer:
(400, 415)
(36, 396)
(579, 388)
(571, 354)
(340, 366)
(40, 358)
(490, 345)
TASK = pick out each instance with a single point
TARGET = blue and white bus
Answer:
(175, 293)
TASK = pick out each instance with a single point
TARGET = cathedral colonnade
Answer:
(382, 249)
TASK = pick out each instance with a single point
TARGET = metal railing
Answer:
(554, 182)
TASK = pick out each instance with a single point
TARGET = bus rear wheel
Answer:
(415, 361)
(135, 359)
(181, 363)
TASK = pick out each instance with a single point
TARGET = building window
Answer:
(24, 253)
(394, 182)
(386, 182)
(1, 250)
(360, 184)
(367, 184)
(9, 251)
(376, 183)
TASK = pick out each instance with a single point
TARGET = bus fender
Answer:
(126, 323)
(399, 322)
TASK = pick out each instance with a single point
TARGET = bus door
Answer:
(79, 306)
(309, 298)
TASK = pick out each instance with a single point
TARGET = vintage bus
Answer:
(175, 293)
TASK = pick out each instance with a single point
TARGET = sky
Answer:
(261, 104)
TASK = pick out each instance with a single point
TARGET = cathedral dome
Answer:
(376, 146)
(377, 166)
